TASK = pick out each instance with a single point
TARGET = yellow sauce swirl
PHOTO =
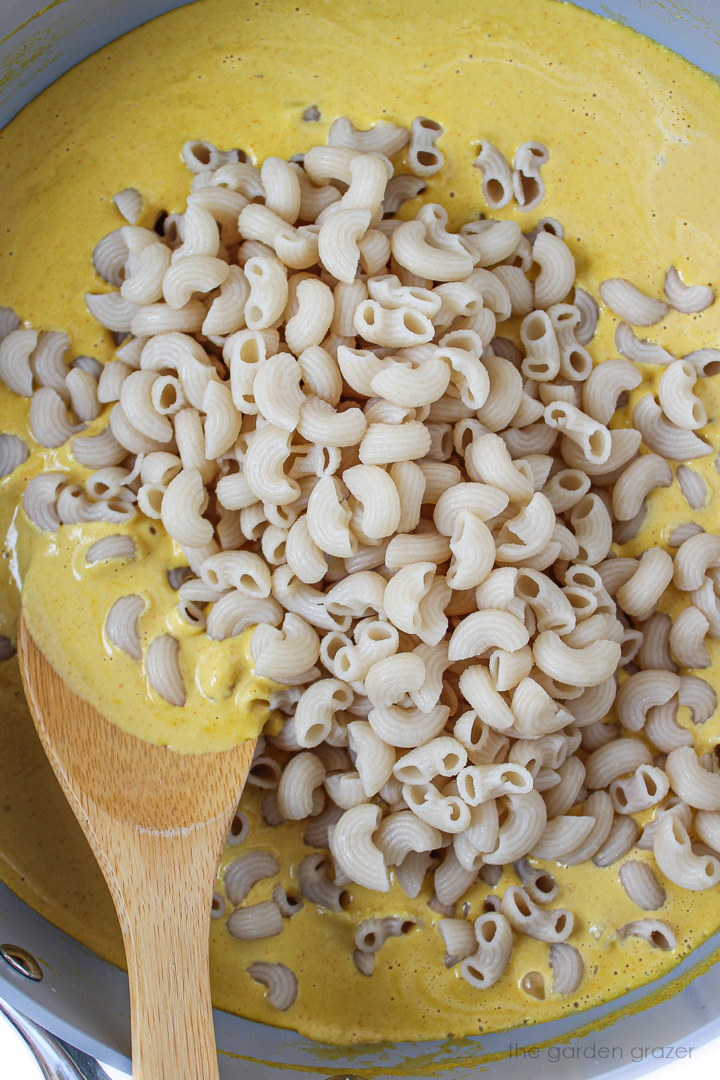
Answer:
(635, 155)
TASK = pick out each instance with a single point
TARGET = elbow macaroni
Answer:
(415, 515)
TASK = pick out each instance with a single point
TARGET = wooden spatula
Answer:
(156, 821)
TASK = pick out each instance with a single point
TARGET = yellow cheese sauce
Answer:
(634, 134)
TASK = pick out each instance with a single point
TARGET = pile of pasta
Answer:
(416, 513)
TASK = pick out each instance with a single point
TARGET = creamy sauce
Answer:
(634, 134)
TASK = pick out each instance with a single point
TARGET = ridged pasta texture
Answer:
(416, 512)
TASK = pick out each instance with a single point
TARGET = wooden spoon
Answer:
(156, 821)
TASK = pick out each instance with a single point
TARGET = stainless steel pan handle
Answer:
(56, 1060)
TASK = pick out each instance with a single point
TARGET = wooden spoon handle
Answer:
(161, 882)
(156, 821)
(163, 887)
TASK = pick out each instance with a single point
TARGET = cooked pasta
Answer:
(686, 298)
(562, 834)
(592, 437)
(613, 759)
(640, 350)
(528, 184)
(245, 871)
(695, 785)
(662, 436)
(699, 697)
(260, 920)
(413, 251)
(655, 649)
(694, 558)
(163, 669)
(497, 177)
(353, 848)
(663, 730)
(13, 452)
(706, 824)
(641, 885)
(630, 304)
(567, 967)
(639, 595)
(459, 938)
(654, 931)
(641, 692)
(281, 983)
(605, 384)
(692, 486)
(372, 933)
(381, 138)
(488, 962)
(687, 639)
(121, 625)
(677, 400)
(528, 918)
(48, 418)
(424, 158)
(623, 833)
(557, 269)
(129, 204)
(646, 787)
(315, 883)
(589, 311)
(416, 517)
(636, 482)
(676, 859)
(111, 547)
(542, 353)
